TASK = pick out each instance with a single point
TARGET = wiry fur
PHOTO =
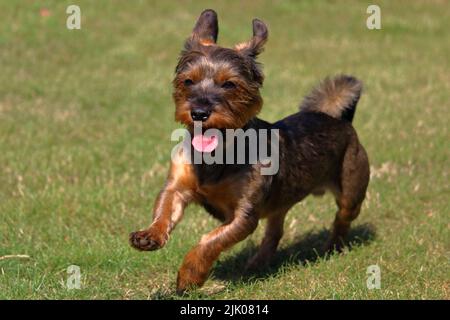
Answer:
(318, 150)
(336, 97)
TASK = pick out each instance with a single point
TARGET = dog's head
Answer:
(215, 85)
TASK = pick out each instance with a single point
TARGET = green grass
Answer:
(85, 123)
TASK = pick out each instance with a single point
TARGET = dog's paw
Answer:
(334, 245)
(147, 240)
(189, 281)
(194, 271)
(257, 263)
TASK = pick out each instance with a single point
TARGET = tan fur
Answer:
(333, 96)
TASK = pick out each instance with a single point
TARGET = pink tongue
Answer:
(202, 143)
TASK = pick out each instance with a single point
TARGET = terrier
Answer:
(318, 151)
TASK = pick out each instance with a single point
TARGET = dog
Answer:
(318, 151)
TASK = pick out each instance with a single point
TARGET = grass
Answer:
(85, 123)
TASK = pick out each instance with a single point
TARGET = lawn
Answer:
(85, 123)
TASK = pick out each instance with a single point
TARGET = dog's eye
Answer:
(228, 85)
(188, 82)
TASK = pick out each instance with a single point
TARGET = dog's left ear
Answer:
(206, 29)
(256, 45)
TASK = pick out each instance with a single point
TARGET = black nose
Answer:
(200, 114)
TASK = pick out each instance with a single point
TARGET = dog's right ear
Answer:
(205, 31)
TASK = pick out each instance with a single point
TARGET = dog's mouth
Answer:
(205, 142)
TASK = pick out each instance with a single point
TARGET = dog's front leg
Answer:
(167, 212)
(198, 262)
(169, 207)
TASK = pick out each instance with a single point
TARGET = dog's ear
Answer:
(206, 29)
(255, 46)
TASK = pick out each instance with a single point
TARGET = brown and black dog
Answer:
(318, 150)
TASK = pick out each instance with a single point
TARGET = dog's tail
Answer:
(336, 97)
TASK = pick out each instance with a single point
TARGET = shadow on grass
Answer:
(307, 248)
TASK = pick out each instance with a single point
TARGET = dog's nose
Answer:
(200, 114)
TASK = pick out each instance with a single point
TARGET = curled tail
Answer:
(336, 97)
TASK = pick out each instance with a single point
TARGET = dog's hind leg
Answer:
(350, 193)
(344, 216)
(269, 244)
